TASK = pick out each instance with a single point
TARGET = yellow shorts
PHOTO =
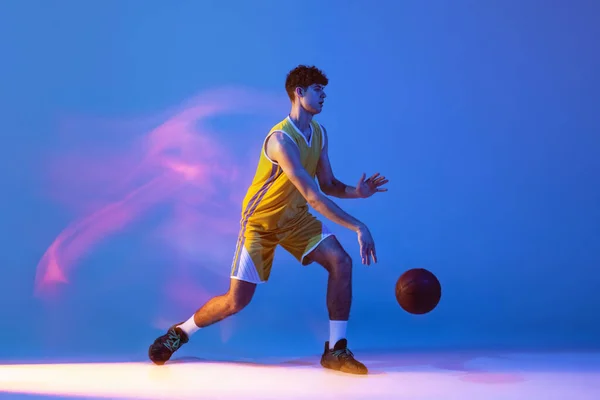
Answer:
(255, 249)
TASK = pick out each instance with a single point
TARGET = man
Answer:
(275, 212)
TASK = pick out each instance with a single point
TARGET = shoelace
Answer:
(173, 342)
(343, 353)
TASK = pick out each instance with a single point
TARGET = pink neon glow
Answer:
(177, 160)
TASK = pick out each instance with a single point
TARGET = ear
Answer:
(299, 92)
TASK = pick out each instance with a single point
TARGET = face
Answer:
(312, 98)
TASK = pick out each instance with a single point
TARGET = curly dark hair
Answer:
(303, 76)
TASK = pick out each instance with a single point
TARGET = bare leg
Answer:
(338, 263)
(220, 307)
(216, 309)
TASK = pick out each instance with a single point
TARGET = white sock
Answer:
(189, 326)
(337, 331)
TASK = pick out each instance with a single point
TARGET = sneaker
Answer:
(340, 358)
(163, 347)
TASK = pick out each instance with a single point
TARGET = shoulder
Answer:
(324, 139)
(280, 142)
(283, 150)
(280, 138)
(281, 125)
(321, 128)
(319, 125)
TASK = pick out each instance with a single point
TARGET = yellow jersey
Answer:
(272, 202)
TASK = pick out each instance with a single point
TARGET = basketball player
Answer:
(275, 212)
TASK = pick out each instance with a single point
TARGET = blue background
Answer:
(483, 115)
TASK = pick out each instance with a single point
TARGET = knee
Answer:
(341, 265)
(237, 300)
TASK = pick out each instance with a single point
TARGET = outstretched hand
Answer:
(367, 188)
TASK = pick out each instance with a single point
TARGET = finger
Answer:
(374, 176)
(382, 190)
(374, 254)
(362, 178)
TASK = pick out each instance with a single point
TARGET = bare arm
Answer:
(332, 186)
(329, 184)
(283, 151)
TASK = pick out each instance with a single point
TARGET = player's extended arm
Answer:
(282, 150)
(328, 183)
(331, 186)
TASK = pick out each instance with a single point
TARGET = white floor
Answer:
(459, 375)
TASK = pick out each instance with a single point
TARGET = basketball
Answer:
(418, 291)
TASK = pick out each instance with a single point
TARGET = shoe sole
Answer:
(330, 367)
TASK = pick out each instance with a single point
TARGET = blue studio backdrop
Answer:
(131, 130)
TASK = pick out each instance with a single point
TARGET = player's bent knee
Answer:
(237, 304)
(341, 264)
(239, 295)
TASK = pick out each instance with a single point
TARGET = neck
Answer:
(301, 118)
